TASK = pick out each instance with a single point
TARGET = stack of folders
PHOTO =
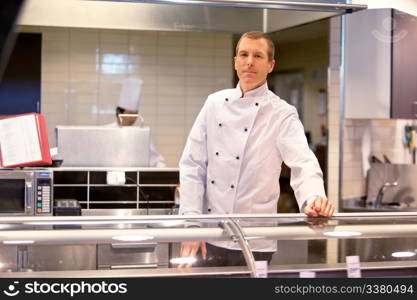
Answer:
(24, 141)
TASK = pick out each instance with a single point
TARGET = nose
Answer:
(250, 60)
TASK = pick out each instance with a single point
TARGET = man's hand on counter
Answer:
(319, 207)
(190, 249)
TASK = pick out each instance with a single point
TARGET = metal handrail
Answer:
(75, 234)
(52, 219)
(235, 232)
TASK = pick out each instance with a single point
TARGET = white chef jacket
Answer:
(232, 159)
(155, 158)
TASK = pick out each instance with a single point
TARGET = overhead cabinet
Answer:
(228, 16)
(404, 66)
(380, 65)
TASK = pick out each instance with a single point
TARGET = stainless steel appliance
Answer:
(26, 192)
(393, 186)
(131, 256)
(102, 146)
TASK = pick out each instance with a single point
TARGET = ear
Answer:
(271, 65)
(234, 58)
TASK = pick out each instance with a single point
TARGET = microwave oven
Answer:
(26, 192)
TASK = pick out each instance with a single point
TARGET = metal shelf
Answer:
(140, 197)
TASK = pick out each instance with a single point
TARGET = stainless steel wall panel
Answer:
(215, 16)
(62, 257)
(126, 256)
(8, 258)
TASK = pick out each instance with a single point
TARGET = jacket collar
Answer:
(261, 91)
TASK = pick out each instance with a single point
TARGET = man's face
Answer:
(252, 64)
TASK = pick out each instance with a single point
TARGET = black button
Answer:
(232, 186)
(246, 129)
(237, 157)
(212, 181)
(217, 153)
(220, 124)
(227, 99)
(209, 210)
(256, 103)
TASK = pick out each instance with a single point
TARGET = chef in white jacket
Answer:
(232, 159)
(129, 102)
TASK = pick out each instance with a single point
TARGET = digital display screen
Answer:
(12, 195)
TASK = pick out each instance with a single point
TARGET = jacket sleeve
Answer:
(193, 167)
(306, 175)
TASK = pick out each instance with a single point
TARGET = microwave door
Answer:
(13, 196)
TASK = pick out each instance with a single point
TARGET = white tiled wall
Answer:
(353, 180)
(82, 72)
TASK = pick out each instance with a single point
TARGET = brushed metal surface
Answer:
(182, 15)
(405, 193)
(108, 257)
(277, 4)
(215, 271)
(62, 257)
(101, 146)
(161, 234)
(8, 258)
(133, 215)
(124, 256)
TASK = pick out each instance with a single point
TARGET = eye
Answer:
(243, 54)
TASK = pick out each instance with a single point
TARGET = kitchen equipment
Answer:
(380, 195)
(67, 207)
(395, 182)
(25, 192)
(101, 146)
(117, 256)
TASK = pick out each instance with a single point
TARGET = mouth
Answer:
(249, 72)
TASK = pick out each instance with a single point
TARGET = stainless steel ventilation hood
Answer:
(228, 16)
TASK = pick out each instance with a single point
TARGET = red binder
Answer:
(24, 141)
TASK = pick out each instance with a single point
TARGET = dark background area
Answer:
(20, 88)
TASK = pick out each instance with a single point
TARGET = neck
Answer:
(247, 88)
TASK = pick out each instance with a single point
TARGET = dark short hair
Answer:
(120, 110)
(257, 35)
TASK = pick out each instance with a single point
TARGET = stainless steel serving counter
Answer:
(369, 269)
(375, 237)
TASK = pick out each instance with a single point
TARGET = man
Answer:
(129, 102)
(232, 159)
